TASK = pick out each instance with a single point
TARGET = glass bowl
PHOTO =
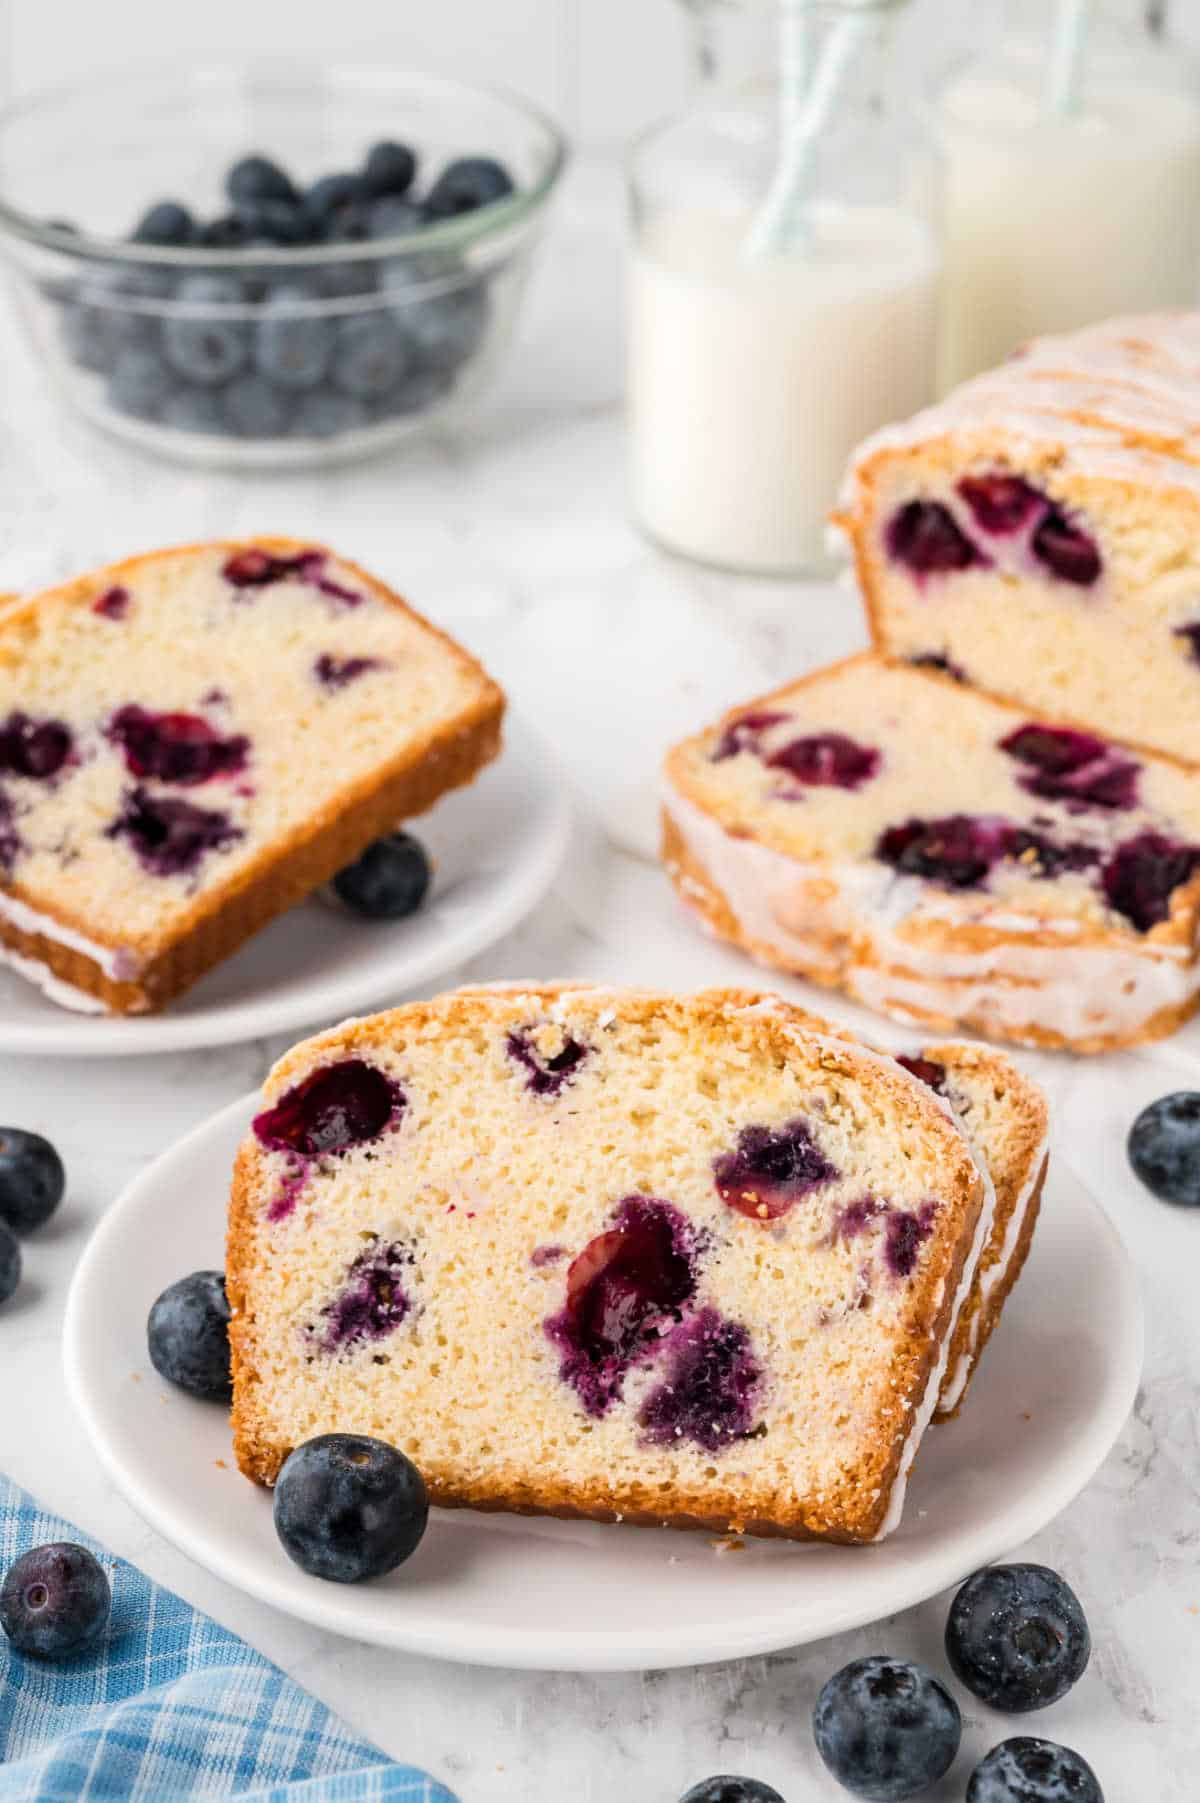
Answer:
(266, 353)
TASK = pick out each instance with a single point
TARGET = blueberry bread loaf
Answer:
(194, 740)
(944, 858)
(1038, 533)
(604, 1253)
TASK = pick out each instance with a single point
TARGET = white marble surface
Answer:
(513, 532)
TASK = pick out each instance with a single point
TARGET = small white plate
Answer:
(496, 845)
(1052, 1395)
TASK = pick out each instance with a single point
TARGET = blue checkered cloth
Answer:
(173, 1707)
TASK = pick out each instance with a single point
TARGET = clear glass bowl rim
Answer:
(454, 234)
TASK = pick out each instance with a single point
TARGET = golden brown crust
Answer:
(226, 916)
(703, 897)
(854, 1515)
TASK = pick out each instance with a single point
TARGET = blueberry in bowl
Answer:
(339, 275)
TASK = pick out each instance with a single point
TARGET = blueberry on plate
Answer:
(254, 178)
(1164, 1148)
(293, 344)
(166, 222)
(187, 1336)
(389, 169)
(32, 1179)
(886, 1729)
(55, 1601)
(1017, 1637)
(389, 881)
(10, 1263)
(349, 1508)
(139, 382)
(1033, 1771)
(205, 343)
(727, 1789)
(464, 185)
(371, 354)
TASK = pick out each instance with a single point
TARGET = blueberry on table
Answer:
(166, 222)
(389, 169)
(389, 881)
(55, 1602)
(1164, 1148)
(886, 1729)
(349, 1508)
(10, 1263)
(187, 1336)
(727, 1789)
(32, 1179)
(1033, 1771)
(1017, 1637)
(255, 178)
(466, 184)
(201, 341)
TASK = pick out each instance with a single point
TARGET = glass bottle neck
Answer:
(1111, 20)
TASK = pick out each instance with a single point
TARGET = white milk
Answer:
(1055, 223)
(750, 383)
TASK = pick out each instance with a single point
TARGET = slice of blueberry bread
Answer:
(1004, 1116)
(604, 1253)
(947, 859)
(1038, 533)
(194, 740)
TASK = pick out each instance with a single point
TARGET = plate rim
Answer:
(648, 1646)
(67, 1035)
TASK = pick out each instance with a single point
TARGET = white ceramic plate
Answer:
(1052, 1394)
(497, 846)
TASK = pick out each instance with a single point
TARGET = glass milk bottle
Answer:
(1072, 167)
(757, 361)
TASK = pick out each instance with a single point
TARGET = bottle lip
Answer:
(1158, 63)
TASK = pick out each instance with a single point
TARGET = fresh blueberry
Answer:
(139, 382)
(164, 223)
(331, 192)
(275, 222)
(391, 217)
(324, 414)
(1164, 1148)
(187, 1334)
(348, 1507)
(230, 231)
(371, 356)
(55, 1602)
(389, 881)
(292, 343)
(1017, 1637)
(255, 408)
(466, 184)
(255, 178)
(1025, 1770)
(344, 280)
(32, 1179)
(10, 1263)
(731, 1790)
(112, 309)
(195, 410)
(417, 393)
(205, 344)
(349, 223)
(446, 329)
(886, 1729)
(389, 169)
